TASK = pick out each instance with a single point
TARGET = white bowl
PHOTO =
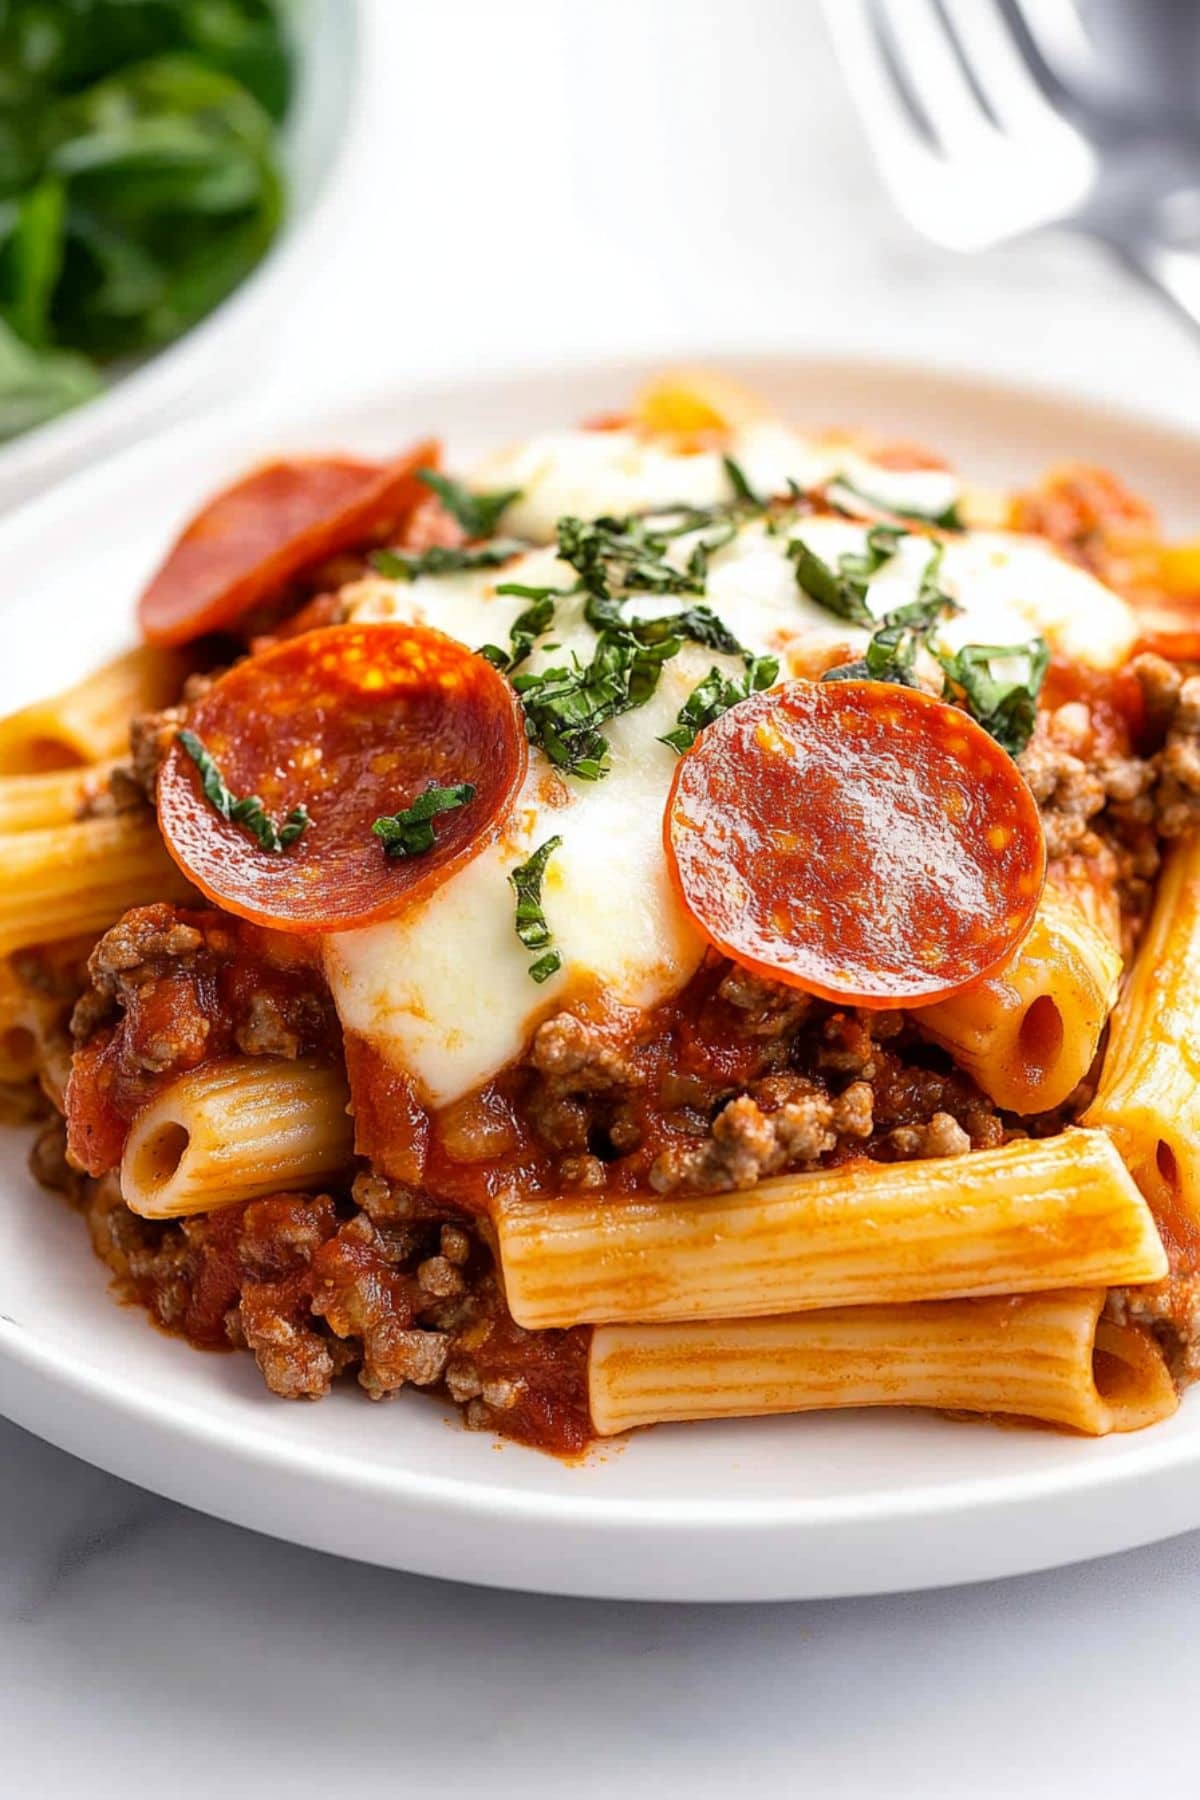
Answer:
(161, 386)
(767, 1509)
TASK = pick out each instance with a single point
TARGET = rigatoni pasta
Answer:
(1029, 1033)
(32, 802)
(63, 880)
(232, 1131)
(90, 721)
(1012, 1220)
(1149, 1094)
(1043, 1356)
(637, 934)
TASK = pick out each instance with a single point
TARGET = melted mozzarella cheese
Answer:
(590, 473)
(444, 991)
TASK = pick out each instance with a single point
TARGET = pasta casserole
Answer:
(684, 918)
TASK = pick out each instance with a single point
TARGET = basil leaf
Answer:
(948, 519)
(478, 514)
(715, 695)
(529, 922)
(249, 812)
(141, 179)
(565, 707)
(525, 629)
(840, 593)
(411, 833)
(407, 565)
(742, 491)
(1006, 707)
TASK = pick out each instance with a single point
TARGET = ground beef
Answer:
(767, 1008)
(170, 988)
(1093, 518)
(48, 1162)
(317, 1288)
(1177, 793)
(789, 1122)
(1170, 1310)
(737, 1079)
(579, 1058)
(1073, 784)
(150, 737)
(942, 1136)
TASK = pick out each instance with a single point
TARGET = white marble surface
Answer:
(529, 180)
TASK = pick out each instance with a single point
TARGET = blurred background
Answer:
(480, 185)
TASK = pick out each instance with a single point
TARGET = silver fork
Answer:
(979, 137)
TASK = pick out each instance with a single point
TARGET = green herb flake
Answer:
(525, 630)
(441, 559)
(411, 833)
(478, 514)
(529, 921)
(248, 813)
(843, 591)
(622, 555)
(948, 519)
(1005, 705)
(715, 695)
(743, 493)
(892, 652)
(565, 707)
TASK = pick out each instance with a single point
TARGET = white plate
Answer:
(185, 374)
(748, 1510)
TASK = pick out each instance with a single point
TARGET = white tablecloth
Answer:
(531, 180)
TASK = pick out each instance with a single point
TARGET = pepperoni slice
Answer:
(353, 722)
(861, 841)
(270, 526)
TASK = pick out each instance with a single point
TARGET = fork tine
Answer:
(999, 70)
(883, 110)
(929, 66)
(1056, 31)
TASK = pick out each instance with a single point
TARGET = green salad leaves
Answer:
(139, 180)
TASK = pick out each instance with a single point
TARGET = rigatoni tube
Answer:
(1028, 1034)
(1149, 1093)
(236, 1130)
(1041, 1356)
(1034, 1214)
(68, 880)
(89, 721)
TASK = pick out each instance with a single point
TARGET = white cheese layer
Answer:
(444, 991)
(590, 473)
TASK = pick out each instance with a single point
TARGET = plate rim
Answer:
(194, 1426)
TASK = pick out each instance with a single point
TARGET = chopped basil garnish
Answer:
(565, 707)
(249, 812)
(698, 624)
(892, 652)
(529, 922)
(1005, 706)
(478, 514)
(715, 695)
(406, 565)
(526, 628)
(411, 833)
(624, 554)
(742, 491)
(843, 591)
(948, 519)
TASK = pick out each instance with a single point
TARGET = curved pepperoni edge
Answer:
(1022, 891)
(253, 537)
(350, 702)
